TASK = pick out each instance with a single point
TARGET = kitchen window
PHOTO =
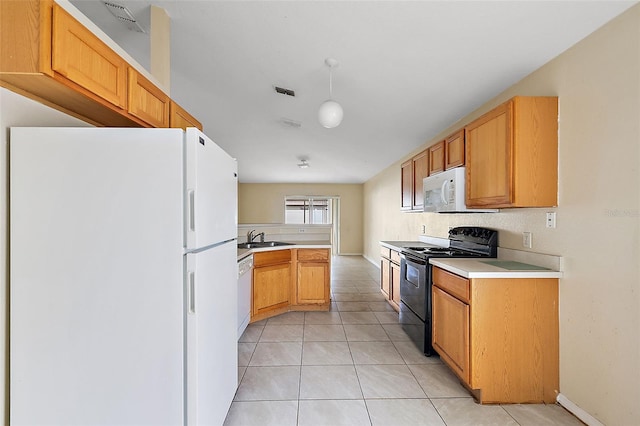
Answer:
(308, 210)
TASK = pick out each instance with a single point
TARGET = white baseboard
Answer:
(374, 262)
(577, 411)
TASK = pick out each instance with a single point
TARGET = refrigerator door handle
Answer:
(192, 210)
(192, 292)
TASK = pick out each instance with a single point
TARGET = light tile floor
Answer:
(354, 366)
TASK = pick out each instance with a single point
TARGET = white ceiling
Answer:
(408, 70)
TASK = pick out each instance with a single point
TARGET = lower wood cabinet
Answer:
(499, 335)
(290, 280)
(451, 331)
(271, 281)
(312, 284)
(390, 276)
(395, 285)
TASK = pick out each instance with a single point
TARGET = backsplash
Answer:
(289, 233)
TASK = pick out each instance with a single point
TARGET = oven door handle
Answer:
(412, 259)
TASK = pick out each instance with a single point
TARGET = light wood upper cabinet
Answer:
(454, 150)
(146, 101)
(412, 173)
(85, 60)
(499, 335)
(420, 171)
(512, 155)
(28, 51)
(25, 32)
(50, 57)
(180, 118)
(436, 158)
(406, 183)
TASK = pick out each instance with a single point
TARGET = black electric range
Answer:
(416, 281)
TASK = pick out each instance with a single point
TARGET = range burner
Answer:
(426, 252)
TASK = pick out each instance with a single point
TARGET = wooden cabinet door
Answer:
(406, 182)
(489, 158)
(313, 283)
(146, 101)
(271, 286)
(436, 158)
(84, 59)
(385, 278)
(420, 171)
(454, 150)
(395, 285)
(180, 118)
(451, 331)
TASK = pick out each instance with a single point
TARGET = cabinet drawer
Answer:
(395, 256)
(271, 257)
(313, 255)
(451, 283)
(385, 252)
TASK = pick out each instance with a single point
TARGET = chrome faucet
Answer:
(251, 237)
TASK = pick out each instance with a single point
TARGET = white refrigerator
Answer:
(122, 277)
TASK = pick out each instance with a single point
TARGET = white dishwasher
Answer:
(245, 273)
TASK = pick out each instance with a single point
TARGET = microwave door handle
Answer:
(443, 192)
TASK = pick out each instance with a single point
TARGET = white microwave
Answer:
(444, 193)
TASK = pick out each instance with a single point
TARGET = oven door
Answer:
(413, 284)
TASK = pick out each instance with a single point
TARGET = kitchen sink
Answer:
(263, 244)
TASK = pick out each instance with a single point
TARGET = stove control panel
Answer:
(474, 234)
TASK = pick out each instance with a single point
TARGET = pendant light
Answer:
(330, 113)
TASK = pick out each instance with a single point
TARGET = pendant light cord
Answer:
(330, 82)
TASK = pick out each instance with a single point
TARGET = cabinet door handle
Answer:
(192, 210)
(192, 292)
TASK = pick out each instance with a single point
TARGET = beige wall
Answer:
(264, 203)
(598, 85)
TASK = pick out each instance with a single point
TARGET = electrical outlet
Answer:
(424, 229)
(526, 239)
(301, 230)
(551, 219)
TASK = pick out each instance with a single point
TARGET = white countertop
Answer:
(242, 253)
(476, 268)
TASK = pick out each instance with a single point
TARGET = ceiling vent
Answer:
(124, 15)
(287, 122)
(284, 91)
